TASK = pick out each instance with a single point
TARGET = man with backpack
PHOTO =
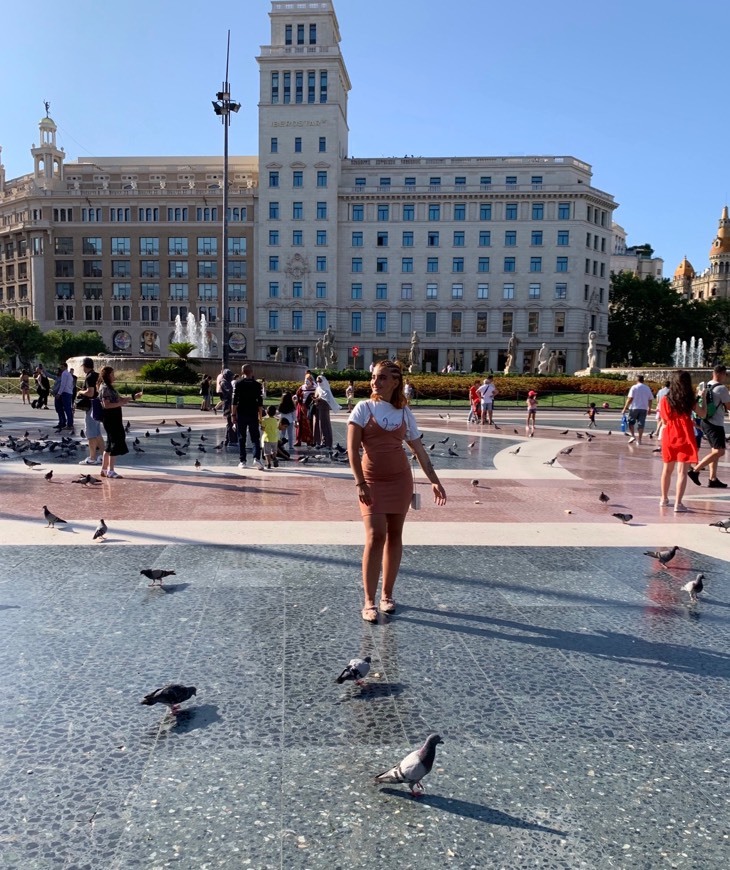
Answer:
(716, 399)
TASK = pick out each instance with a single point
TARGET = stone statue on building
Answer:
(319, 354)
(543, 360)
(512, 346)
(328, 347)
(552, 363)
(415, 355)
(592, 352)
(278, 355)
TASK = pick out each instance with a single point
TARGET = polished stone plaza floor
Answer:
(582, 699)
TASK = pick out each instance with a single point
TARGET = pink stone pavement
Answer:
(522, 495)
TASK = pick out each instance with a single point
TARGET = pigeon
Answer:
(83, 434)
(87, 480)
(180, 452)
(516, 451)
(179, 425)
(565, 431)
(171, 696)
(432, 447)
(473, 444)
(444, 440)
(516, 431)
(156, 574)
(146, 434)
(550, 461)
(498, 428)
(49, 475)
(722, 524)
(220, 446)
(128, 426)
(101, 530)
(475, 483)
(441, 417)
(52, 519)
(694, 587)
(137, 449)
(197, 463)
(651, 435)
(30, 463)
(579, 435)
(603, 497)
(162, 423)
(157, 431)
(625, 518)
(190, 429)
(609, 432)
(566, 451)
(174, 443)
(303, 459)
(357, 670)
(203, 438)
(201, 449)
(452, 453)
(657, 450)
(663, 556)
(136, 441)
(414, 767)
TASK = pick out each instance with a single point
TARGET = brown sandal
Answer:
(370, 614)
(387, 605)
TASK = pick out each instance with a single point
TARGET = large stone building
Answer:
(636, 259)
(463, 250)
(713, 281)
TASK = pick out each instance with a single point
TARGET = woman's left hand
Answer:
(439, 493)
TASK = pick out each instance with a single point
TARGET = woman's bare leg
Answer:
(393, 552)
(376, 532)
(666, 479)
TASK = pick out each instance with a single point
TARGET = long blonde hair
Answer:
(398, 399)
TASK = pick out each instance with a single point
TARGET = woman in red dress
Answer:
(384, 479)
(679, 446)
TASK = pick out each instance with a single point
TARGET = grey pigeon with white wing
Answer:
(357, 670)
(414, 767)
(172, 696)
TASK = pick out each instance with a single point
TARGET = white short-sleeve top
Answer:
(386, 416)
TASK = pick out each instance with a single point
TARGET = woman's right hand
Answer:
(363, 493)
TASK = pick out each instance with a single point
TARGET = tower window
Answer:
(312, 34)
(288, 35)
(300, 34)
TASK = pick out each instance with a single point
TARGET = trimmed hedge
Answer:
(173, 371)
(436, 386)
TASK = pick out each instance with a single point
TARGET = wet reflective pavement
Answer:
(582, 700)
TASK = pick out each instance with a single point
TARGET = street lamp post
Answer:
(223, 105)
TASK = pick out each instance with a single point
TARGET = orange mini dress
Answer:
(678, 435)
(386, 469)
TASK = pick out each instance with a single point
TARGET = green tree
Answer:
(21, 339)
(714, 328)
(645, 317)
(62, 344)
(183, 349)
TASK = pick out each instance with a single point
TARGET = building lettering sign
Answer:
(297, 123)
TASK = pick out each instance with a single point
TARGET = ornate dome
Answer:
(47, 123)
(684, 269)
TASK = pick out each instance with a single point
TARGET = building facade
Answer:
(636, 259)
(465, 251)
(713, 281)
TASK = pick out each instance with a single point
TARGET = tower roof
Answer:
(721, 245)
(684, 269)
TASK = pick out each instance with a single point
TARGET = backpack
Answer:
(707, 401)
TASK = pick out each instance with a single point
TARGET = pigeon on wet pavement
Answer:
(137, 449)
(694, 587)
(475, 483)
(444, 440)
(180, 452)
(101, 530)
(565, 431)
(30, 463)
(414, 767)
(452, 453)
(197, 463)
(156, 575)
(162, 423)
(171, 695)
(51, 518)
(603, 497)
(664, 556)
(625, 518)
(174, 443)
(473, 444)
(179, 425)
(357, 670)
(566, 451)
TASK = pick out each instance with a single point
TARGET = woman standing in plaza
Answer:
(325, 403)
(679, 446)
(112, 402)
(383, 478)
(305, 398)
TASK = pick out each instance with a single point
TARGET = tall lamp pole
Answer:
(223, 105)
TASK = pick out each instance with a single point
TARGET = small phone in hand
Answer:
(416, 501)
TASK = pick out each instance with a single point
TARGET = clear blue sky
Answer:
(637, 89)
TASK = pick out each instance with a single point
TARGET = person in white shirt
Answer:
(487, 392)
(638, 403)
